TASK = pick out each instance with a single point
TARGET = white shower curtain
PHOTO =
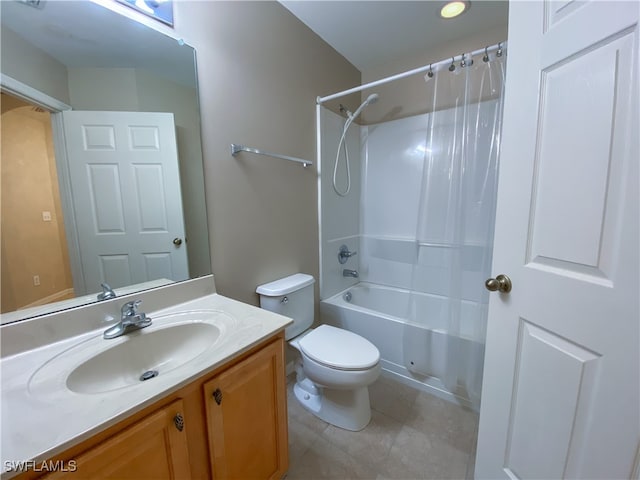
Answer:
(446, 332)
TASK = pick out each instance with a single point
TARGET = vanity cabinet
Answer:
(246, 418)
(234, 425)
(155, 447)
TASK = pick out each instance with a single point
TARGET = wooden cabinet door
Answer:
(246, 416)
(153, 448)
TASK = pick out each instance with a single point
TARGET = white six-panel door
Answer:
(561, 382)
(126, 197)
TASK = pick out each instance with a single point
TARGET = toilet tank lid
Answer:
(285, 285)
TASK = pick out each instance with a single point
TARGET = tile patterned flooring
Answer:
(412, 435)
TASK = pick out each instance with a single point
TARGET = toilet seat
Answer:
(340, 349)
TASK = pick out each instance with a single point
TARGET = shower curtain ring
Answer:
(499, 51)
(466, 63)
(429, 74)
(452, 67)
(485, 59)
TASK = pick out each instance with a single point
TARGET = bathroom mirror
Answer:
(89, 58)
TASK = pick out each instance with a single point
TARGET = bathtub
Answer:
(413, 351)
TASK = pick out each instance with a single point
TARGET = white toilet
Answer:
(335, 366)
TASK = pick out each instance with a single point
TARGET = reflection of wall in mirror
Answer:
(30, 65)
(126, 89)
(31, 245)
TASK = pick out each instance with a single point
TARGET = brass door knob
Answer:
(501, 283)
(177, 241)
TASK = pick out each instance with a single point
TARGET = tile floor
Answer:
(412, 435)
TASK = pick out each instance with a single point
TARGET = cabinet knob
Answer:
(178, 421)
(217, 396)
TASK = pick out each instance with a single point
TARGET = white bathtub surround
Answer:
(42, 415)
(339, 216)
(427, 209)
(380, 314)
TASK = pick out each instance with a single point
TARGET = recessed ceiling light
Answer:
(453, 9)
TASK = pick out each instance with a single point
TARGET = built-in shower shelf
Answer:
(235, 149)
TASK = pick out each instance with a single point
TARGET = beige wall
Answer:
(259, 72)
(407, 97)
(30, 246)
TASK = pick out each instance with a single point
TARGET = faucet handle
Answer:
(130, 309)
(344, 254)
(107, 292)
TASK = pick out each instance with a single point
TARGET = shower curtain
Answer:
(455, 226)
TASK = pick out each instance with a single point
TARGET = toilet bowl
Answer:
(334, 367)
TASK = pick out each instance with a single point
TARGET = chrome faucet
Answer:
(350, 273)
(130, 320)
(344, 254)
(107, 292)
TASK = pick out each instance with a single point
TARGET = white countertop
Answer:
(37, 423)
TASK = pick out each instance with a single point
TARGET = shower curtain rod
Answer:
(408, 73)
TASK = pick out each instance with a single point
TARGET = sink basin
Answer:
(97, 365)
(158, 351)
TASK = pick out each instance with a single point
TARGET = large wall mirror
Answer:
(102, 174)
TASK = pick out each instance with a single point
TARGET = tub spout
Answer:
(350, 273)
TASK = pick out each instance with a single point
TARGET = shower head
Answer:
(373, 98)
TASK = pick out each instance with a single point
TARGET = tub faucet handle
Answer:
(344, 254)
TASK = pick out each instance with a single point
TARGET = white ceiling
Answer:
(372, 33)
(85, 34)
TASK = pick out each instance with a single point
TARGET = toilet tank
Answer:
(292, 297)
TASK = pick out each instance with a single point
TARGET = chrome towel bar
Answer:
(235, 148)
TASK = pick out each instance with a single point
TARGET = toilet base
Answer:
(348, 409)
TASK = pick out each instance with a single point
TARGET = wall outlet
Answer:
(36, 280)
(46, 216)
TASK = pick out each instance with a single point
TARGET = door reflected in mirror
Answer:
(99, 200)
